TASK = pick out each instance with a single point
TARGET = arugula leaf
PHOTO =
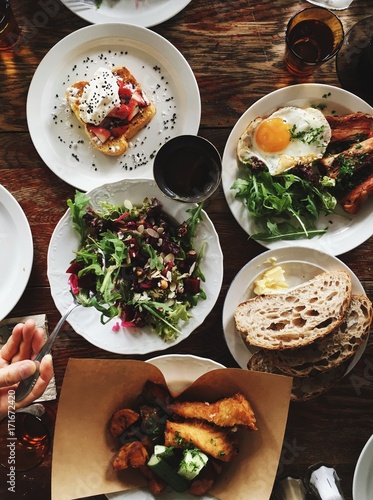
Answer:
(283, 206)
(284, 230)
(192, 223)
(78, 209)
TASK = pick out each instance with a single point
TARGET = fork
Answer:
(77, 5)
(26, 385)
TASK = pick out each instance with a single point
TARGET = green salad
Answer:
(285, 206)
(135, 263)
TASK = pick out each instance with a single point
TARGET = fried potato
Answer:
(121, 420)
(155, 483)
(227, 412)
(204, 481)
(131, 454)
(206, 437)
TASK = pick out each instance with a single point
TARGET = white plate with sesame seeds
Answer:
(161, 69)
(86, 320)
(140, 12)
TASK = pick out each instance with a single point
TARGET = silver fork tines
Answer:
(77, 5)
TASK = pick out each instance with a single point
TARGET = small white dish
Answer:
(145, 13)
(86, 320)
(344, 233)
(362, 484)
(300, 264)
(181, 370)
(17, 252)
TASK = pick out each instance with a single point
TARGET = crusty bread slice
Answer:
(298, 317)
(304, 388)
(331, 350)
(114, 146)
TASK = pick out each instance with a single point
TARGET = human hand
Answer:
(16, 364)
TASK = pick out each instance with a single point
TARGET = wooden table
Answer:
(235, 49)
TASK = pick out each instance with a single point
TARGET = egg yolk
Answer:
(273, 135)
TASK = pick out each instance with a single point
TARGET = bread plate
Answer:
(140, 12)
(179, 370)
(362, 484)
(344, 233)
(299, 264)
(86, 321)
(164, 74)
(17, 251)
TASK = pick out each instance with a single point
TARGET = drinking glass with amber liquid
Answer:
(313, 36)
(9, 29)
(24, 441)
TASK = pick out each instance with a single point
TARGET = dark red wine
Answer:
(311, 40)
(189, 171)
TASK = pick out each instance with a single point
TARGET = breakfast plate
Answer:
(145, 13)
(180, 371)
(17, 252)
(362, 484)
(86, 320)
(345, 232)
(164, 74)
(300, 264)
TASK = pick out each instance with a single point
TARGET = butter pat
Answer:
(272, 281)
(100, 96)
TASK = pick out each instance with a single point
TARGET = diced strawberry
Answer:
(101, 133)
(118, 131)
(125, 92)
(139, 98)
(134, 109)
(106, 122)
(120, 112)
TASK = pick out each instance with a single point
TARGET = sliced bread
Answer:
(304, 388)
(299, 316)
(331, 350)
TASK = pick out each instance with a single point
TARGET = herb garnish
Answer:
(307, 136)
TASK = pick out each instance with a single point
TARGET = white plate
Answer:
(140, 12)
(344, 233)
(180, 371)
(86, 321)
(362, 484)
(16, 252)
(300, 264)
(165, 76)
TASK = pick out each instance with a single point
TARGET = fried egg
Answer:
(287, 137)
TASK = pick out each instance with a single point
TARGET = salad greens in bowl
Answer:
(146, 269)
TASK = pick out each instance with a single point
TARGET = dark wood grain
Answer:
(235, 49)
